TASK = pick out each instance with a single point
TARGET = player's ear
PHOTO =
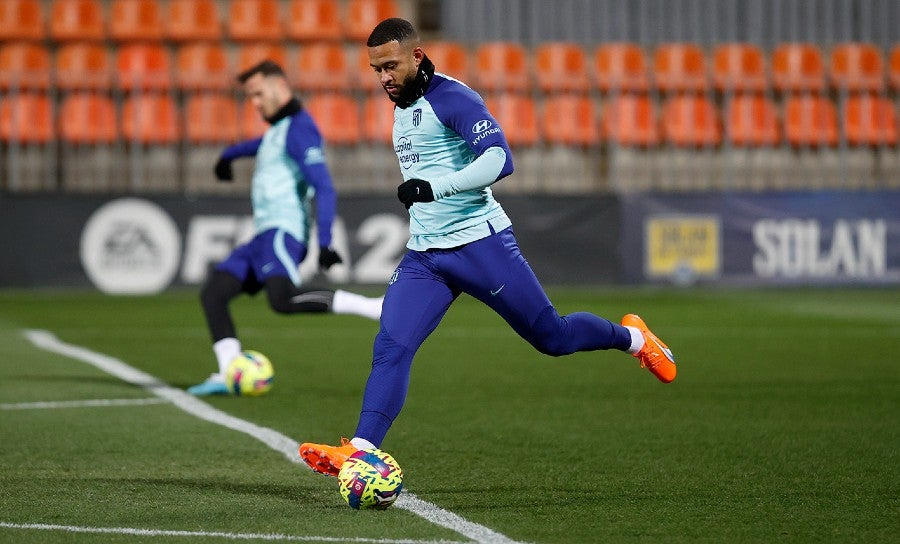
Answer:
(418, 55)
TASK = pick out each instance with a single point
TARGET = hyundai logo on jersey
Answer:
(481, 126)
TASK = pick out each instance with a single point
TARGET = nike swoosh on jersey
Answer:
(497, 292)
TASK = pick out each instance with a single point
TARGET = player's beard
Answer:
(414, 87)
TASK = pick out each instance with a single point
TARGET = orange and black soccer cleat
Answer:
(655, 356)
(326, 459)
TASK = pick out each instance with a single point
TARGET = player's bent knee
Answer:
(546, 334)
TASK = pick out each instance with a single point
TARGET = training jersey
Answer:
(290, 170)
(438, 135)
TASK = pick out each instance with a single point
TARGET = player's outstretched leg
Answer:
(327, 459)
(654, 355)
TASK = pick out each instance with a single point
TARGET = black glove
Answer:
(223, 170)
(414, 190)
(328, 258)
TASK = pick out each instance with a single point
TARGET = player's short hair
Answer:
(266, 68)
(393, 29)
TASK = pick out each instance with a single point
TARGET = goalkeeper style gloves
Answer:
(414, 190)
(328, 258)
(223, 170)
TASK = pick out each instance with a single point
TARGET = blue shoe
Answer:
(214, 385)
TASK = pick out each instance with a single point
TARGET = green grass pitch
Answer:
(782, 426)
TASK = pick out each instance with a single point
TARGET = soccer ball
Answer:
(249, 374)
(370, 479)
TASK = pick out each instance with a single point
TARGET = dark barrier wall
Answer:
(803, 238)
(144, 245)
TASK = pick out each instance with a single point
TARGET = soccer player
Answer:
(290, 172)
(451, 150)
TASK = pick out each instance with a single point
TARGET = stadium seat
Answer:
(752, 120)
(211, 118)
(320, 66)
(739, 67)
(314, 20)
(797, 67)
(502, 66)
(869, 120)
(143, 66)
(569, 120)
(203, 65)
(363, 76)
(630, 120)
(251, 54)
(136, 20)
(150, 119)
(337, 117)
(810, 120)
(24, 65)
(88, 118)
(83, 65)
(378, 119)
(193, 20)
(252, 124)
(77, 20)
(21, 20)
(254, 20)
(26, 118)
(517, 116)
(680, 67)
(690, 121)
(449, 58)
(620, 67)
(362, 16)
(894, 67)
(560, 67)
(857, 67)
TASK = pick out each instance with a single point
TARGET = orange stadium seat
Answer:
(870, 120)
(570, 120)
(203, 65)
(251, 54)
(26, 118)
(24, 65)
(321, 66)
(752, 120)
(252, 124)
(83, 65)
(143, 66)
(630, 120)
(620, 66)
(87, 118)
(21, 20)
(254, 20)
(502, 66)
(337, 117)
(810, 120)
(77, 20)
(191, 20)
(378, 119)
(560, 67)
(517, 116)
(797, 67)
(690, 121)
(313, 20)
(211, 118)
(739, 67)
(894, 67)
(363, 15)
(136, 20)
(150, 119)
(680, 67)
(857, 67)
(449, 58)
(363, 76)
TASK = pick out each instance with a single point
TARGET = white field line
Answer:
(205, 534)
(80, 403)
(275, 440)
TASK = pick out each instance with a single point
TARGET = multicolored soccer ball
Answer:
(250, 374)
(370, 479)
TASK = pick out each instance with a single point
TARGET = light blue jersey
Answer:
(448, 138)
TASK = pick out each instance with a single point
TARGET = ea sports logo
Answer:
(481, 126)
(130, 246)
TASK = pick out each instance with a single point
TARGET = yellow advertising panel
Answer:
(682, 246)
